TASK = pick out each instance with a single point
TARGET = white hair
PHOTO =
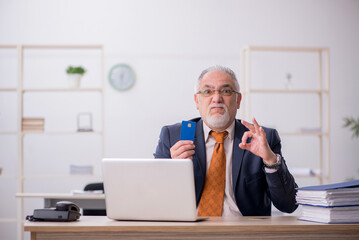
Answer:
(220, 69)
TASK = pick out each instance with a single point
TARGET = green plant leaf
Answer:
(353, 124)
(75, 70)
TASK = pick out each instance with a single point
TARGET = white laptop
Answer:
(149, 189)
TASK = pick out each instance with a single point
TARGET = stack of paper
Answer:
(332, 203)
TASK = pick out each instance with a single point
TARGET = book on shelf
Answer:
(26, 129)
(33, 121)
(33, 124)
(331, 203)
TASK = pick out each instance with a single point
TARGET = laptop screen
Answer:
(149, 189)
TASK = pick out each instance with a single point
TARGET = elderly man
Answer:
(238, 167)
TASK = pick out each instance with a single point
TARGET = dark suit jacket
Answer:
(254, 189)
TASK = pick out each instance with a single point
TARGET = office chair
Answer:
(94, 212)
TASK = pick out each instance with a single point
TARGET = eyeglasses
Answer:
(222, 92)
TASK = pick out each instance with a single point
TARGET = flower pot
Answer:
(74, 80)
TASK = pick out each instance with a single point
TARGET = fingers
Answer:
(182, 149)
(244, 147)
(262, 132)
(253, 128)
(181, 143)
(258, 144)
(248, 125)
(256, 125)
(245, 136)
(244, 144)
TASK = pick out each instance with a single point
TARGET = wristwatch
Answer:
(276, 164)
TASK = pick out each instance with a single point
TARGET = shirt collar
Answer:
(207, 130)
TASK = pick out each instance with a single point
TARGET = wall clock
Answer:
(121, 77)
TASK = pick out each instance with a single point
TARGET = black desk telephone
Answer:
(63, 212)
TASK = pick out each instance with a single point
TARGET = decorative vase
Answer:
(74, 80)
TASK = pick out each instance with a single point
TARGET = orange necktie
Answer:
(211, 203)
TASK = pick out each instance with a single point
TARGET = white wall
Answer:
(168, 43)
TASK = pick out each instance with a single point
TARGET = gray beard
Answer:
(218, 121)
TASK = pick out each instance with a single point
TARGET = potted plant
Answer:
(74, 75)
(353, 124)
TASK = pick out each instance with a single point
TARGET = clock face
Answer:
(121, 77)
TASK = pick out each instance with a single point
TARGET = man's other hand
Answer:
(258, 145)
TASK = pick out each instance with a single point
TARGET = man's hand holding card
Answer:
(185, 147)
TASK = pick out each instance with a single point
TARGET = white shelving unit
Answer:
(21, 90)
(320, 93)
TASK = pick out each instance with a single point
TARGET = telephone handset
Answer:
(64, 211)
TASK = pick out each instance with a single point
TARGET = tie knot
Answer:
(219, 136)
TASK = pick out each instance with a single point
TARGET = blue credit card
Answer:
(188, 130)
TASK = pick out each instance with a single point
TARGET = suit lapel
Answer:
(200, 150)
(237, 156)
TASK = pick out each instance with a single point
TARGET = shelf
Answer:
(8, 46)
(302, 176)
(284, 49)
(62, 46)
(8, 89)
(303, 91)
(60, 133)
(61, 195)
(63, 90)
(302, 134)
(321, 90)
(2, 176)
(33, 88)
(8, 133)
(306, 172)
(61, 176)
(7, 220)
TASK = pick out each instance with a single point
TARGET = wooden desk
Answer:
(284, 227)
